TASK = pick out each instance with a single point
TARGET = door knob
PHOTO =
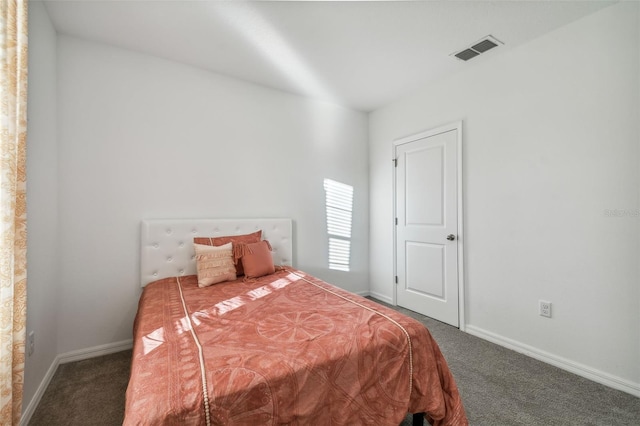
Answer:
(451, 237)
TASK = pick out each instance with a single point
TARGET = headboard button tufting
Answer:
(167, 249)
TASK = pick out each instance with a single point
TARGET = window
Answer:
(339, 203)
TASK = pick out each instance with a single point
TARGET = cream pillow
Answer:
(214, 264)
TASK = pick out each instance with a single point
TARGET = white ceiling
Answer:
(359, 54)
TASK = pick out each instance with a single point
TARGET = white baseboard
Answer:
(95, 351)
(35, 400)
(381, 297)
(557, 361)
(64, 358)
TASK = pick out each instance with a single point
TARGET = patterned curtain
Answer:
(13, 215)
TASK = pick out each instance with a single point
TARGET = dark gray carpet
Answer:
(498, 387)
(502, 387)
(83, 393)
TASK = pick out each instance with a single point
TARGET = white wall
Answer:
(42, 193)
(142, 137)
(551, 142)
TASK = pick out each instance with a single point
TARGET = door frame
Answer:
(460, 236)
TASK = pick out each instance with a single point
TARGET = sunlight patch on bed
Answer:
(293, 277)
(281, 283)
(229, 305)
(153, 340)
(183, 325)
(265, 290)
(259, 293)
(255, 294)
(233, 303)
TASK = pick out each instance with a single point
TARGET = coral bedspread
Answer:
(287, 348)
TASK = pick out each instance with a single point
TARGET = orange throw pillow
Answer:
(257, 260)
(238, 242)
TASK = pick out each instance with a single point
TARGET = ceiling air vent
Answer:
(467, 54)
(481, 46)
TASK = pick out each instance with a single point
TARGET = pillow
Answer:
(214, 264)
(257, 260)
(237, 240)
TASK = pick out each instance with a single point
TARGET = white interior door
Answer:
(427, 229)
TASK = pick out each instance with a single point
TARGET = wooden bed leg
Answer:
(418, 419)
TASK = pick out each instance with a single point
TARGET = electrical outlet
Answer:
(31, 343)
(545, 309)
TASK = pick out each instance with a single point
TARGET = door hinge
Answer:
(395, 162)
(396, 279)
(396, 221)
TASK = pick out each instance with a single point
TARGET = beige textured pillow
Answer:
(214, 264)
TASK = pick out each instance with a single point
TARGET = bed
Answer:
(281, 348)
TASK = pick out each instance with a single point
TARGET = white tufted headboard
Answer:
(166, 246)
